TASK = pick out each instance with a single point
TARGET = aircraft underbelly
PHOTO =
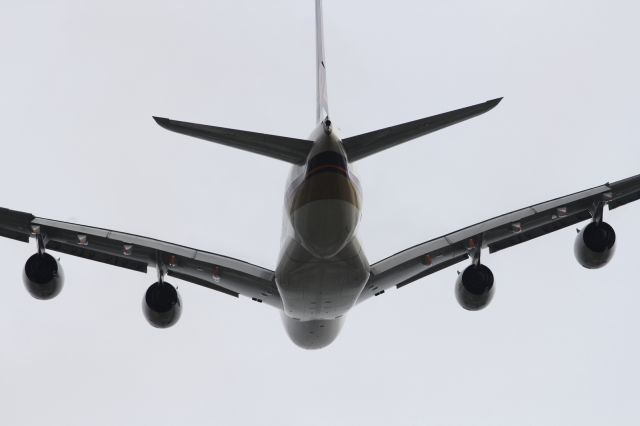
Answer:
(314, 288)
(324, 227)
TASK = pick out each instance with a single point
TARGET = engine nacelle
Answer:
(595, 245)
(474, 287)
(43, 276)
(161, 305)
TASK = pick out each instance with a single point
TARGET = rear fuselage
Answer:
(322, 269)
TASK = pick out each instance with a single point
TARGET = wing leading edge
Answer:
(224, 274)
(496, 234)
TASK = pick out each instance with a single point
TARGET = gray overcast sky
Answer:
(79, 82)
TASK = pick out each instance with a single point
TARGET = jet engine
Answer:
(474, 287)
(43, 276)
(162, 305)
(595, 245)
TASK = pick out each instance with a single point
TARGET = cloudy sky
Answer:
(79, 82)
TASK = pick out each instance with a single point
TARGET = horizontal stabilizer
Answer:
(362, 146)
(287, 149)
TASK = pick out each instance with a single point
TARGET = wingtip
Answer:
(492, 103)
(161, 120)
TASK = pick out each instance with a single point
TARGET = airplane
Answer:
(322, 271)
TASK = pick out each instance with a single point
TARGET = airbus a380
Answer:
(322, 271)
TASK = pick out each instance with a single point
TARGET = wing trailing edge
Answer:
(361, 146)
(282, 148)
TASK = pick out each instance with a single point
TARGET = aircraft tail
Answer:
(291, 150)
(287, 149)
(322, 105)
(361, 146)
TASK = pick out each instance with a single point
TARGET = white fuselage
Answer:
(321, 269)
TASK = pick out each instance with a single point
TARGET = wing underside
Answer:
(223, 274)
(496, 234)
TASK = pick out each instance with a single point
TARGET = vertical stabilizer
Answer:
(322, 111)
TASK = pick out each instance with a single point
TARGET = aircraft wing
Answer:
(220, 273)
(496, 234)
